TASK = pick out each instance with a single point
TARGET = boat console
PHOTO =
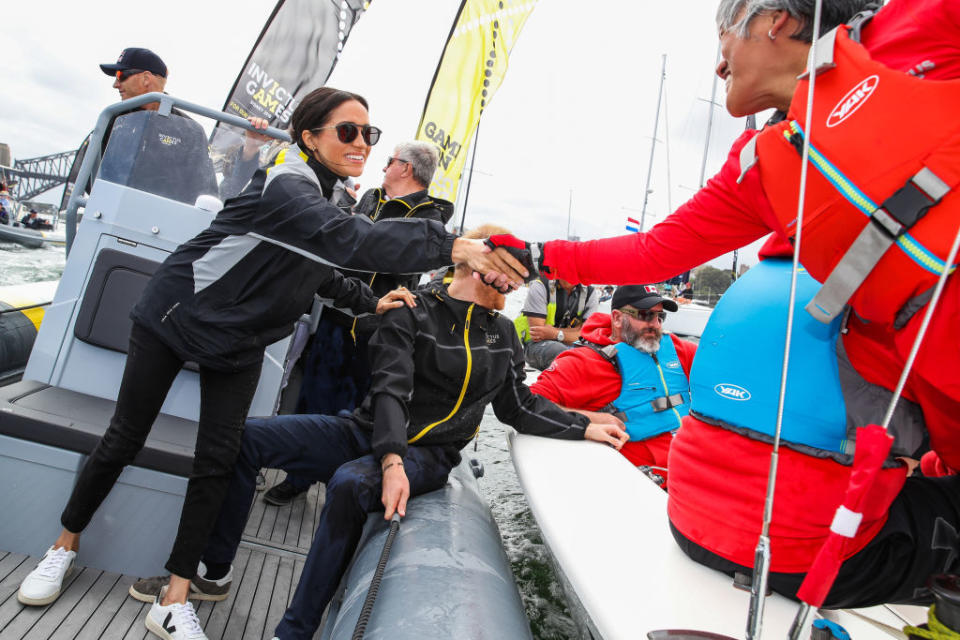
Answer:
(141, 207)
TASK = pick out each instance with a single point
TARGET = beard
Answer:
(491, 299)
(646, 340)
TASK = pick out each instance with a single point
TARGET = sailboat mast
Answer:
(706, 142)
(569, 213)
(653, 143)
(466, 195)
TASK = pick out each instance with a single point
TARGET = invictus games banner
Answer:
(471, 69)
(295, 53)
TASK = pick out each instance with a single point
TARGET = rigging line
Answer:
(666, 135)
(710, 105)
(653, 145)
(466, 196)
(762, 552)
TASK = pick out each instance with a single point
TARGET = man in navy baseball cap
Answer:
(640, 297)
(137, 71)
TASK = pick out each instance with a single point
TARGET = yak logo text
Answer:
(731, 391)
(854, 99)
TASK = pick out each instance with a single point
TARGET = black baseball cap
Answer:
(136, 58)
(640, 296)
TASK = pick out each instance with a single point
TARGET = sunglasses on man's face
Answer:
(390, 161)
(123, 74)
(347, 132)
(644, 315)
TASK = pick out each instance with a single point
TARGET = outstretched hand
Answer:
(527, 254)
(601, 417)
(496, 268)
(611, 434)
(396, 298)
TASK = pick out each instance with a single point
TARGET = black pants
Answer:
(919, 539)
(325, 449)
(224, 401)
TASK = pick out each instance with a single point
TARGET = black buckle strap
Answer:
(895, 217)
(666, 402)
(903, 209)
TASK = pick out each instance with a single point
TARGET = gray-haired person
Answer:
(336, 371)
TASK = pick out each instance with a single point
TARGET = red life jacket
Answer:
(885, 152)
(718, 485)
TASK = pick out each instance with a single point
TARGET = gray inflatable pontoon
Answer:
(447, 575)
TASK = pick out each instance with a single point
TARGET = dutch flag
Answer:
(633, 225)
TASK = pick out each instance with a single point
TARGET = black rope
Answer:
(25, 308)
(367, 609)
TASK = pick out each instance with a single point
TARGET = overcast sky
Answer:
(575, 113)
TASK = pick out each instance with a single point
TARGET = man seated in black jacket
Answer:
(402, 441)
(336, 365)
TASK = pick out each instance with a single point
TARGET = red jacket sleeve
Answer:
(579, 378)
(685, 351)
(721, 217)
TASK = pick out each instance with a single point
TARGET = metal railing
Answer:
(91, 161)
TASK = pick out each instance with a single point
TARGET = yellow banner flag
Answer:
(471, 69)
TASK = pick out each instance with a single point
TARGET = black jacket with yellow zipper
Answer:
(438, 365)
(377, 206)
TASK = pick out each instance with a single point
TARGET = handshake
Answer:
(502, 261)
(528, 254)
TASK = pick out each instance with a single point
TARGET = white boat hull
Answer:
(606, 526)
(689, 320)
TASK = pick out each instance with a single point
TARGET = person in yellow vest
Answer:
(550, 320)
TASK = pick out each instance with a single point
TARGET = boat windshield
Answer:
(169, 156)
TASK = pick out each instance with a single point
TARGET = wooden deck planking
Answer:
(220, 612)
(259, 507)
(25, 618)
(95, 604)
(282, 592)
(243, 595)
(311, 515)
(82, 611)
(99, 622)
(256, 618)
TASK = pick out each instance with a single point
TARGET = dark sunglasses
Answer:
(645, 315)
(123, 74)
(347, 132)
(390, 161)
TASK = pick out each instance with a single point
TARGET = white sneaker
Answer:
(42, 585)
(174, 621)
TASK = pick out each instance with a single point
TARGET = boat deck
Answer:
(97, 605)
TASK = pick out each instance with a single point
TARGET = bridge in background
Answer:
(30, 177)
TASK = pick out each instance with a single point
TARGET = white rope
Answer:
(761, 568)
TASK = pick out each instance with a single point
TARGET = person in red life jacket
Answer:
(628, 370)
(907, 532)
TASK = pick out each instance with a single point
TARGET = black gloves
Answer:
(529, 254)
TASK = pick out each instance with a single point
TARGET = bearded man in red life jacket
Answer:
(881, 192)
(627, 370)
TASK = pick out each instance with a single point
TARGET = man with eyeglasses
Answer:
(550, 320)
(629, 372)
(336, 369)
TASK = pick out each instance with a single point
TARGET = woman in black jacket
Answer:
(219, 300)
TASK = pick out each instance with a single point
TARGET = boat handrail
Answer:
(92, 158)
